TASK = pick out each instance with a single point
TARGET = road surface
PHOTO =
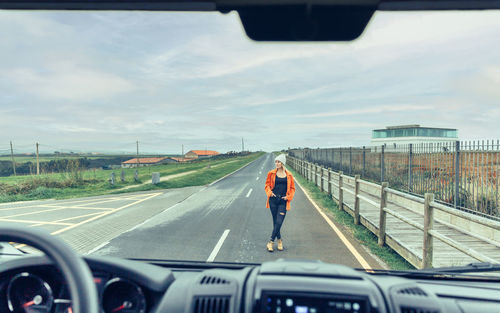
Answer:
(226, 221)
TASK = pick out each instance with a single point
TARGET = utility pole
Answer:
(137, 143)
(12, 156)
(37, 161)
(242, 145)
(182, 150)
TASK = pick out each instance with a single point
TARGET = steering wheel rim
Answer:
(76, 272)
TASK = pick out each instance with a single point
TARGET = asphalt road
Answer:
(228, 222)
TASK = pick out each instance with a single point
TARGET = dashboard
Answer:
(31, 284)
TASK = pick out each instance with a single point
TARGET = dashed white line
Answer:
(257, 178)
(249, 192)
(217, 247)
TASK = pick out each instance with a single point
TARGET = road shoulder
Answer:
(361, 253)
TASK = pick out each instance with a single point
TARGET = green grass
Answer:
(99, 185)
(361, 233)
(143, 172)
(47, 158)
(201, 177)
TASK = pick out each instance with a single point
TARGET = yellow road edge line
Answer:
(30, 213)
(115, 198)
(346, 242)
(104, 214)
(81, 208)
(70, 218)
(33, 222)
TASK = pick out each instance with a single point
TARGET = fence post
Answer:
(356, 200)
(382, 214)
(317, 174)
(321, 179)
(329, 181)
(410, 169)
(364, 162)
(457, 174)
(382, 164)
(428, 225)
(350, 160)
(315, 179)
(341, 192)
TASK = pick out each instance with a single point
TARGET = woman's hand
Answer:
(272, 194)
(284, 198)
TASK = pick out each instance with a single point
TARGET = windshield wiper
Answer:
(469, 268)
(455, 272)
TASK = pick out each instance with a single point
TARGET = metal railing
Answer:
(462, 174)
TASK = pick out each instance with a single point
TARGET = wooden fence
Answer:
(379, 201)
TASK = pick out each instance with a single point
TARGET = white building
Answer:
(392, 136)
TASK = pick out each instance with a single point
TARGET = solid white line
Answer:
(249, 192)
(217, 247)
(346, 242)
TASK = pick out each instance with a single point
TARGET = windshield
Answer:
(172, 136)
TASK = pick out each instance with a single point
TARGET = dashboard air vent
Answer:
(413, 291)
(211, 304)
(212, 280)
(417, 310)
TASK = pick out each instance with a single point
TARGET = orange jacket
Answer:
(290, 187)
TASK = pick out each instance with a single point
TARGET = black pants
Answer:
(278, 211)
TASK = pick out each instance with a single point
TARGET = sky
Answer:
(100, 81)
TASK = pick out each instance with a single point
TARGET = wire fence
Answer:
(462, 174)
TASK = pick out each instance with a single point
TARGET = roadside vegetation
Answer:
(76, 182)
(359, 232)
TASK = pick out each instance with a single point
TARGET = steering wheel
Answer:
(75, 271)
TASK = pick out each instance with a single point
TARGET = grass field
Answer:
(96, 182)
(44, 158)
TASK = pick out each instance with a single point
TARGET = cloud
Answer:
(78, 84)
(371, 110)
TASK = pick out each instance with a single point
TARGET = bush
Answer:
(42, 193)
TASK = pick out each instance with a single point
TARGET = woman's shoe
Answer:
(280, 245)
(270, 246)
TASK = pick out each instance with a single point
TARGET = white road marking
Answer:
(217, 247)
(249, 192)
(257, 178)
(260, 172)
(346, 242)
(98, 247)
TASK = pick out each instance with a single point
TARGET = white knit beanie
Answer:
(281, 158)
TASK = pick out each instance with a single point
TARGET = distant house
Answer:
(136, 162)
(180, 160)
(198, 154)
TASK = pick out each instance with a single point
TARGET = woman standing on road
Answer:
(280, 189)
